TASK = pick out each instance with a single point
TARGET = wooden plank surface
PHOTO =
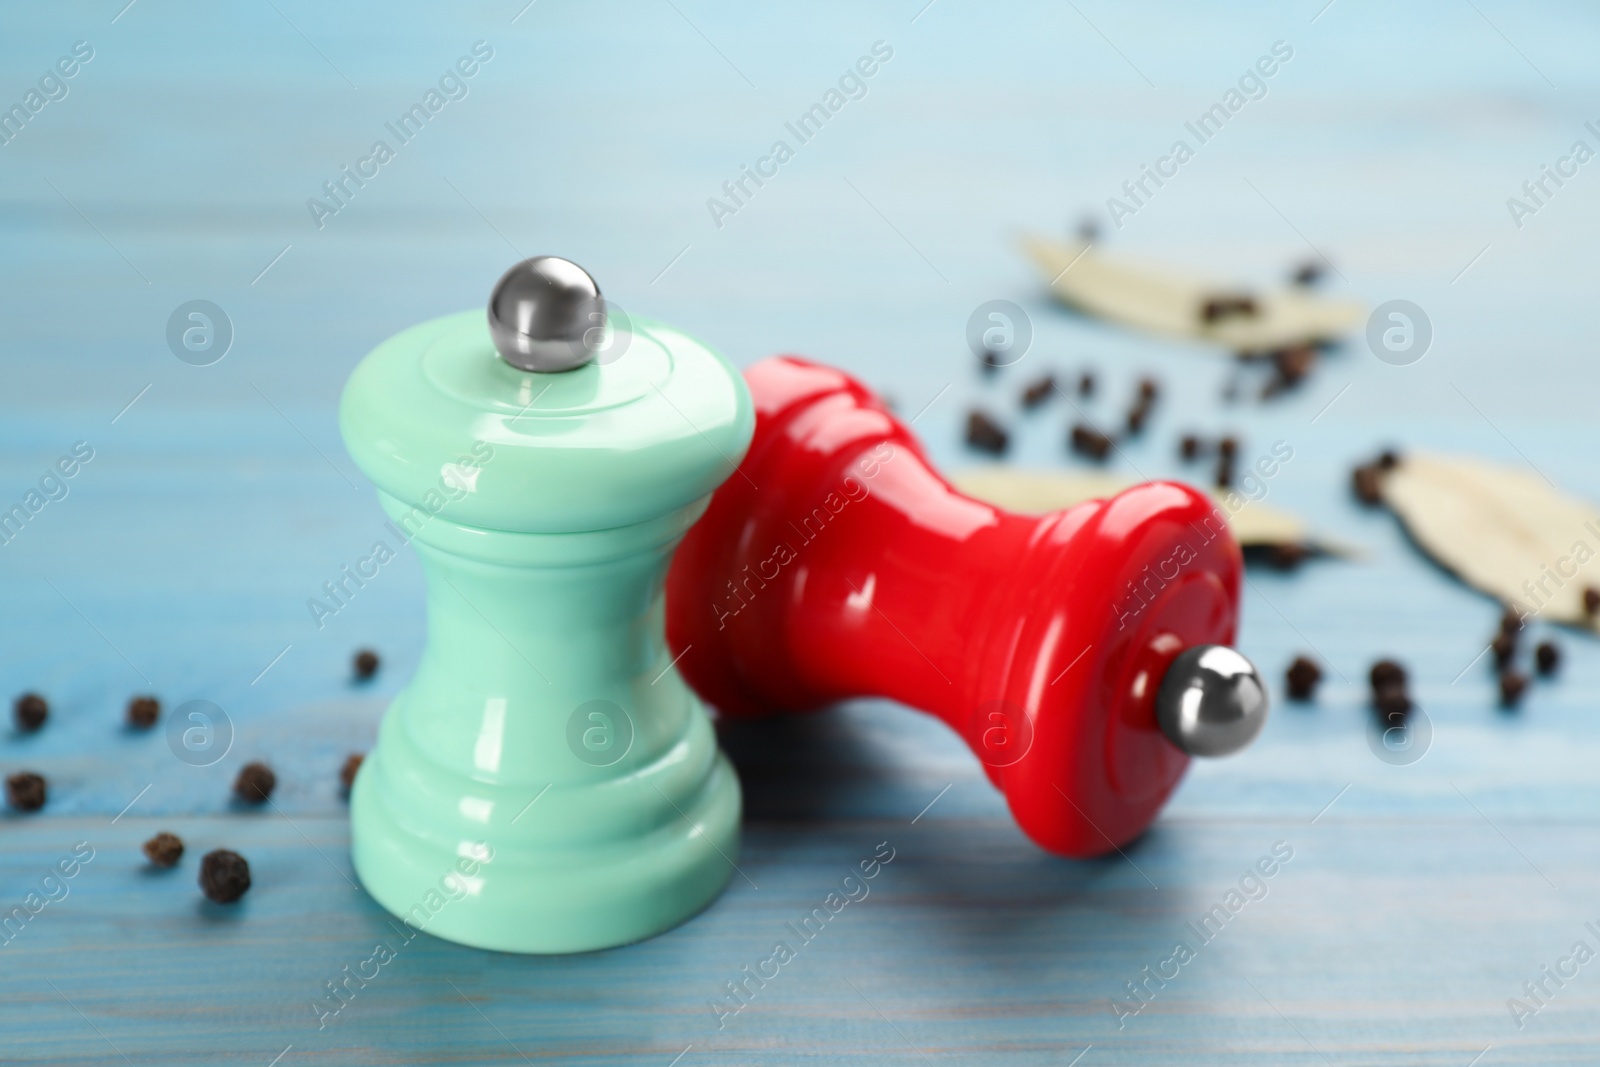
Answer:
(177, 167)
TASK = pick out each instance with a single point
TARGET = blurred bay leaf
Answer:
(1171, 301)
(1503, 530)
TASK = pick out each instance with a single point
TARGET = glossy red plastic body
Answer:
(837, 563)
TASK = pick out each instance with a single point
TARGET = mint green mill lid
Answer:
(642, 421)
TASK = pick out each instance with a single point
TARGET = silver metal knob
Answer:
(1211, 702)
(546, 314)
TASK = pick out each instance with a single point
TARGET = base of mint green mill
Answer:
(530, 897)
(546, 782)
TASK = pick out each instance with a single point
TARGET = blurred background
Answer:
(176, 164)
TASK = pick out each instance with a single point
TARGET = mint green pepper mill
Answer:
(546, 782)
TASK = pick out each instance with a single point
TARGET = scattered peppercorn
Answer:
(1228, 446)
(1290, 367)
(1394, 718)
(1388, 459)
(1367, 483)
(366, 664)
(1288, 555)
(1309, 273)
(224, 876)
(1547, 657)
(990, 361)
(986, 435)
(1393, 704)
(30, 712)
(1386, 672)
(347, 773)
(1302, 678)
(1504, 647)
(1136, 416)
(1225, 471)
(164, 849)
(1511, 621)
(1086, 384)
(1389, 697)
(1087, 441)
(25, 791)
(1149, 390)
(1039, 392)
(1217, 308)
(1513, 685)
(255, 783)
(1189, 447)
(1591, 601)
(143, 712)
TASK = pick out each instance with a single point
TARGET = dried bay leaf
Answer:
(1502, 530)
(1170, 301)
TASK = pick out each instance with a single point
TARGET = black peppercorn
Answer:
(30, 712)
(1087, 441)
(164, 849)
(365, 664)
(1513, 685)
(224, 876)
(1504, 647)
(986, 435)
(1392, 703)
(1290, 366)
(1224, 478)
(1302, 678)
(1395, 717)
(1308, 273)
(1386, 672)
(347, 773)
(1136, 418)
(255, 783)
(25, 791)
(1288, 556)
(1547, 657)
(143, 712)
(1040, 391)
(1217, 308)
(1367, 483)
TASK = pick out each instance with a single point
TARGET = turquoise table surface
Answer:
(189, 156)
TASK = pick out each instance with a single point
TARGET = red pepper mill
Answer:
(1082, 654)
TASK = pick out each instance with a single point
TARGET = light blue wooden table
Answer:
(178, 165)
